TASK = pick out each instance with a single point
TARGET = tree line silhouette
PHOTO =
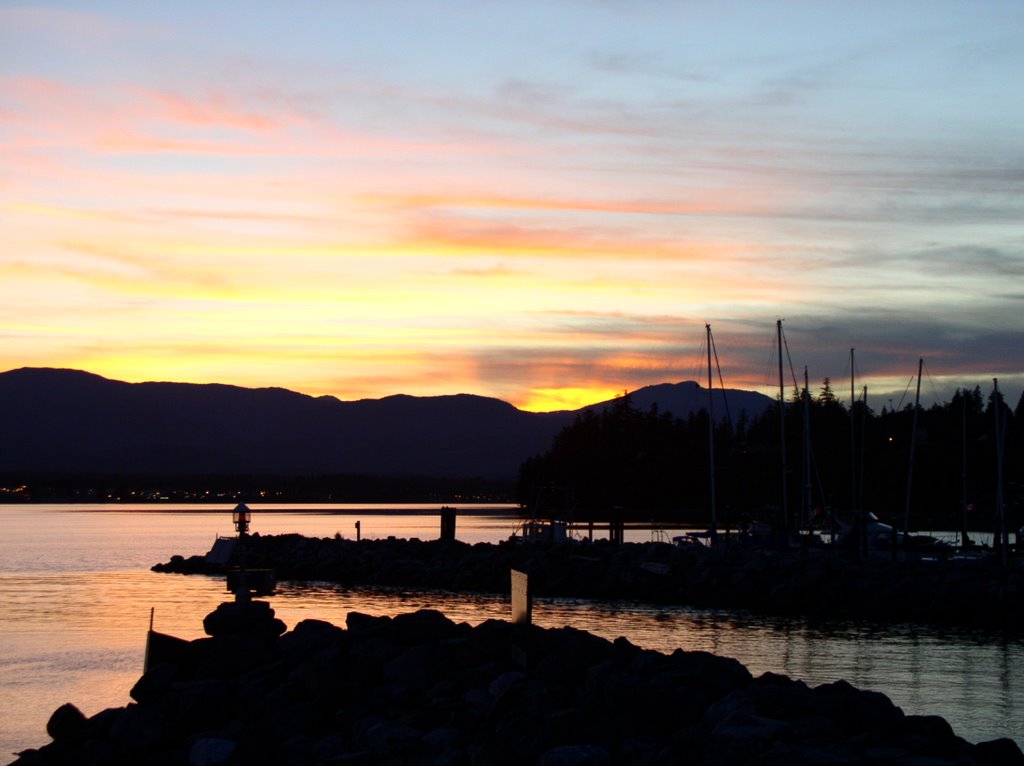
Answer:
(645, 465)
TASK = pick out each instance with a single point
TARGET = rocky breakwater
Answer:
(971, 592)
(420, 689)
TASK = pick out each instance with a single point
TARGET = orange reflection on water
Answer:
(73, 625)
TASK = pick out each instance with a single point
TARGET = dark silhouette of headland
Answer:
(74, 436)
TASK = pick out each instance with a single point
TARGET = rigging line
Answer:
(846, 371)
(931, 382)
(899, 405)
(698, 365)
(1002, 409)
(721, 382)
(816, 470)
(768, 384)
(792, 372)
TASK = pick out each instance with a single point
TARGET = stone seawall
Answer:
(969, 592)
(420, 689)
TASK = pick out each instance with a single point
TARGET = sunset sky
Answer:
(538, 201)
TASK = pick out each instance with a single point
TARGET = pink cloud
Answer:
(36, 91)
(48, 113)
(213, 110)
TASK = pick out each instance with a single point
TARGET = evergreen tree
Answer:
(654, 464)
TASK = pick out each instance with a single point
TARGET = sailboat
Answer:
(778, 531)
(757, 532)
(869, 534)
(711, 536)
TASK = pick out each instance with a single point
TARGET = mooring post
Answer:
(522, 615)
(447, 523)
(358, 531)
(522, 603)
(616, 532)
(149, 641)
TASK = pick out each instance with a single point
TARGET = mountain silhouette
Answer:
(69, 421)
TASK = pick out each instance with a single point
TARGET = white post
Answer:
(522, 604)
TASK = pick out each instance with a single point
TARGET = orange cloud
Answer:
(626, 206)
(547, 237)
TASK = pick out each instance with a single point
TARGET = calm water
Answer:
(76, 593)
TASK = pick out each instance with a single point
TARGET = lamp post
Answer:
(242, 516)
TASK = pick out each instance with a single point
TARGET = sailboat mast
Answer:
(807, 452)
(1001, 531)
(782, 429)
(964, 539)
(913, 445)
(711, 436)
(863, 445)
(853, 442)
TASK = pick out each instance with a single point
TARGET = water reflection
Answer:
(962, 675)
(88, 646)
(76, 593)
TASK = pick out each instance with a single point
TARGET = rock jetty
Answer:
(420, 689)
(969, 592)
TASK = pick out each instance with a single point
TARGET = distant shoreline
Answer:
(222, 507)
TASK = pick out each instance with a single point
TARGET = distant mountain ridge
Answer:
(70, 421)
(682, 399)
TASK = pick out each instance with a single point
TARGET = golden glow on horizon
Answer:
(552, 399)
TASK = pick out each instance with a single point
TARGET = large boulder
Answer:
(67, 723)
(248, 617)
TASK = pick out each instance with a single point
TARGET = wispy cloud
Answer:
(214, 110)
(382, 207)
(60, 28)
